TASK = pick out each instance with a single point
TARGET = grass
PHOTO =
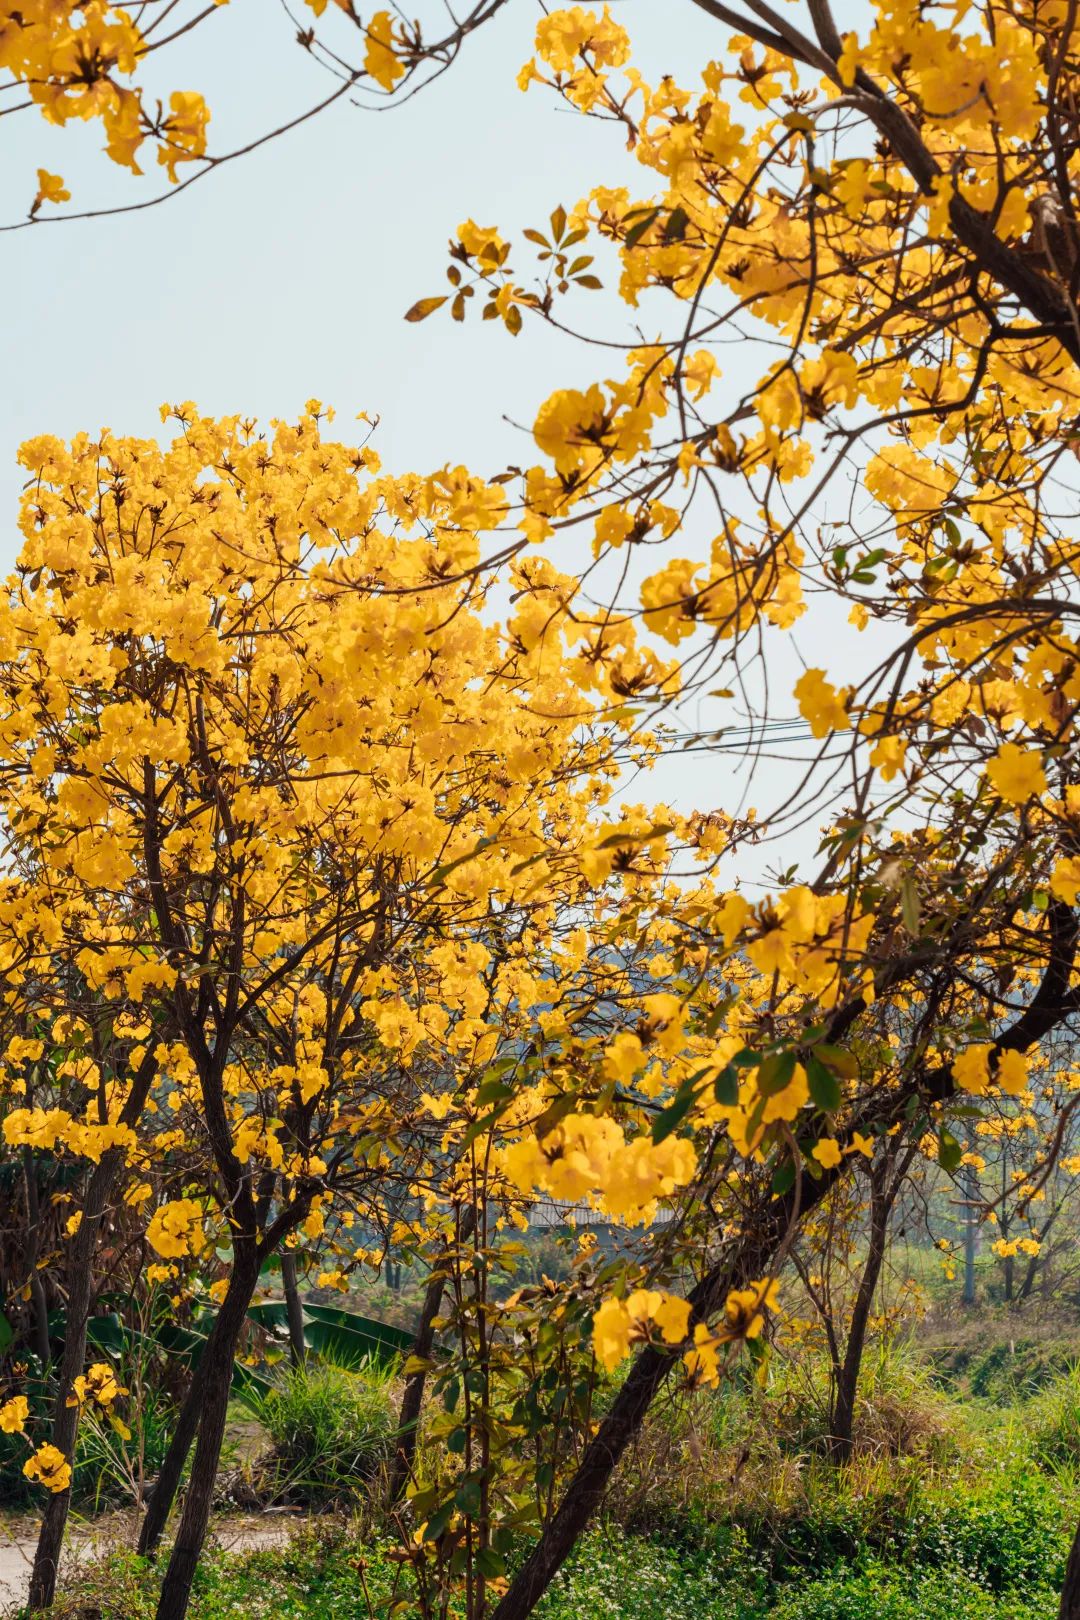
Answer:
(729, 1509)
(328, 1429)
(323, 1574)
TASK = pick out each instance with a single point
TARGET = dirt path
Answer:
(90, 1540)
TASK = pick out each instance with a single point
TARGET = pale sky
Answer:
(285, 275)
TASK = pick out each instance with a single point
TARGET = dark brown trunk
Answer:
(79, 1305)
(751, 1258)
(218, 1360)
(412, 1399)
(39, 1309)
(847, 1385)
(294, 1309)
(66, 1418)
(187, 1424)
(159, 1505)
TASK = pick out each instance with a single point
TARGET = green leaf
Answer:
(909, 905)
(675, 229)
(949, 1151)
(348, 1339)
(438, 1522)
(841, 1062)
(824, 1086)
(774, 1074)
(670, 1118)
(783, 1179)
(493, 1091)
(726, 1088)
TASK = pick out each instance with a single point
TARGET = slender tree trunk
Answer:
(1070, 1592)
(216, 1361)
(294, 1309)
(413, 1398)
(1036, 1260)
(970, 1232)
(167, 1483)
(750, 1258)
(79, 1304)
(218, 1358)
(65, 1417)
(843, 1415)
(39, 1310)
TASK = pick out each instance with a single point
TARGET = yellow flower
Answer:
(176, 1228)
(13, 1415)
(971, 1069)
(1016, 773)
(50, 1468)
(51, 188)
(744, 1309)
(99, 1385)
(1065, 879)
(379, 58)
(1012, 1073)
(827, 1152)
(619, 1323)
(821, 704)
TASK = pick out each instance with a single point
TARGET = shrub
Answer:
(1052, 1420)
(1010, 1533)
(330, 1429)
(883, 1594)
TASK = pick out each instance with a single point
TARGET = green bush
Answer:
(889, 1594)
(1010, 1533)
(329, 1429)
(1051, 1421)
(610, 1577)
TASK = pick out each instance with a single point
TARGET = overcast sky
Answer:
(285, 275)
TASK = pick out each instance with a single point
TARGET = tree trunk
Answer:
(39, 1310)
(1070, 1591)
(756, 1257)
(66, 1418)
(750, 1258)
(159, 1505)
(218, 1359)
(413, 1398)
(843, 1414)
(294, 1309)
(80, 1300)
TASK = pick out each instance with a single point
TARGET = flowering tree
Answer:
(280, 809)
(887, 218)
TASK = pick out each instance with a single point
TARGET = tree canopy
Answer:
(309, 774)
